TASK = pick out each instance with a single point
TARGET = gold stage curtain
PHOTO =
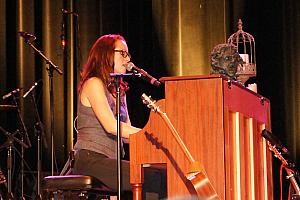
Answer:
(187, 32)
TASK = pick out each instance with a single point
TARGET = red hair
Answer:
(100, 62)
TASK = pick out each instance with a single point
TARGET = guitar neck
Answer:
(197, 175)
(176, 135)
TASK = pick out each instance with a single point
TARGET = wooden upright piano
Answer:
(220, 122)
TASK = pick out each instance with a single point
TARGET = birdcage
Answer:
(246, 47)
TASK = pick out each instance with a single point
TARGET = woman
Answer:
(95, 149)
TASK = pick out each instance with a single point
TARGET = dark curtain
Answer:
(274, 25)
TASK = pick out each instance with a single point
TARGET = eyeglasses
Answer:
(123, 53)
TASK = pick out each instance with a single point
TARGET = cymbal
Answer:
(8, 107)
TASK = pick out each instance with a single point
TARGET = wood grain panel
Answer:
(196, 109)
(220, 122)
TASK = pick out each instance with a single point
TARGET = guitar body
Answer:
(202, 185)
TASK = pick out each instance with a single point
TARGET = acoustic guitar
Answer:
(196, 174)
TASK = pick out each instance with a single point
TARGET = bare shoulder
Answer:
(93, 81)
(91, 88)
(93, 84)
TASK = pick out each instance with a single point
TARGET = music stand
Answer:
(9, 144)
(8, 107)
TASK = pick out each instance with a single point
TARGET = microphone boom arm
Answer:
(48, 61)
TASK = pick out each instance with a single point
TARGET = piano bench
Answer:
(75, 187)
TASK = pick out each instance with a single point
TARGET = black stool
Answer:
(75, 187)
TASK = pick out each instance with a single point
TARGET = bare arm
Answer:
(93, 95)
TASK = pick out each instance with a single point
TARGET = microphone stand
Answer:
(9, 145)
(276, 147)
(288, 166)
(40, 131)
(118, 78)
(50, 70)
(24, 134)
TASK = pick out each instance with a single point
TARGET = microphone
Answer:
(144, 75)
(30, 89)
(64, 11)
(63, 30)
(69, 12)
(27, 36)
(62, 36)
(11, 93)
(274, 140)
